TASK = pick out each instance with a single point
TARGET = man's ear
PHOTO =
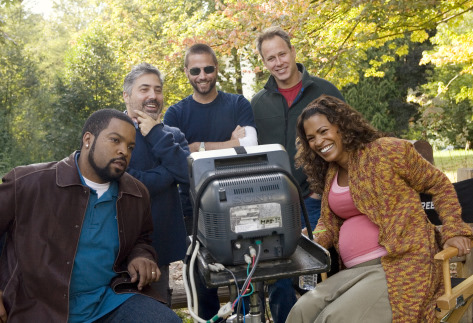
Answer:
(87, 140)
(126, 98)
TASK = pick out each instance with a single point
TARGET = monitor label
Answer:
(245, 218)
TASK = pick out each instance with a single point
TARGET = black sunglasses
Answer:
(207, 70)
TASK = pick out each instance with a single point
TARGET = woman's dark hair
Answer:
(356, 132)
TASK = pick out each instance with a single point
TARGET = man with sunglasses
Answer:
(210, 119)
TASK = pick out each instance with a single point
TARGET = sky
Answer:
(39, 6)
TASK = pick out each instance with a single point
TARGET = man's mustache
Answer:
(151, 101)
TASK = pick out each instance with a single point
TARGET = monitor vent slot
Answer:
(249, 180)
(245, 190)
(240, 168)
(214, 225)
(266, 188)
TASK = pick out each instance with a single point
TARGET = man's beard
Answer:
(142, 108)
(211, 87)
(153, 115)
(105, 173)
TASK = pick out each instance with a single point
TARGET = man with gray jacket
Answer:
(276, 108)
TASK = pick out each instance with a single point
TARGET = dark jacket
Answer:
(276, 123)
(42, 208)
(159, 161)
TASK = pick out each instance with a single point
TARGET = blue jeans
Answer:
(207, 298)
(140, 308)
(282, 298)
(282, 295)
(313, 211)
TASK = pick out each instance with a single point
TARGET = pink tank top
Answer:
(358, 235)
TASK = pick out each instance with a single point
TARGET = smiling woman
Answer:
(325, 140)
(371, 213)
(330, 130)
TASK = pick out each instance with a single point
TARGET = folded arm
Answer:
(241, 136)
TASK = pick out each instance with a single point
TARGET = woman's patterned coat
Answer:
(385, 180)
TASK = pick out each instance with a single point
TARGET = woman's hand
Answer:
(314, 234)
(304, 232)
(462, 243)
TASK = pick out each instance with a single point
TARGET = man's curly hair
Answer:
(355, 131)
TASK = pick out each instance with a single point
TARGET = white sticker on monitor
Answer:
(245, 218)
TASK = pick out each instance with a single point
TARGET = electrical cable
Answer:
(191, 294)
(250, 285)
(186, 286)
(248, 279)
(243, 293)
(258, 254)
(191, 275)
(199, 193)
(236, 285)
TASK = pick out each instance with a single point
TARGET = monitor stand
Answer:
(308, 258)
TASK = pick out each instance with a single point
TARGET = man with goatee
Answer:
(159, 161)
(211, 119)
(77, 235)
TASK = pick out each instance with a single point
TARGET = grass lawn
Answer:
(449, 161)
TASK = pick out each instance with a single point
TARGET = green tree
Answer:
(382, 100)
(156, 32)
(336, 38)
(91, 82)
(55, 72)
(4, 4)
(31, 62)
(447, 99)
(21, 95)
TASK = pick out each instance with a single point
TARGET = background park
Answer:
(406, 65)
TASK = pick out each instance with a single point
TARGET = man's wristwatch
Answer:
(202, 146)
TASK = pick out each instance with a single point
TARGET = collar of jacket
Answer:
(271, 85)
(67, 174)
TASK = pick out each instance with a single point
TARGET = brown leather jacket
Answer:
(42, 208)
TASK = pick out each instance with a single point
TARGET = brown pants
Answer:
(355, 295)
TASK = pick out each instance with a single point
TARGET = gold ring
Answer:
(153, 273)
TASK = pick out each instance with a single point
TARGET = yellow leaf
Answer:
(419, 36)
